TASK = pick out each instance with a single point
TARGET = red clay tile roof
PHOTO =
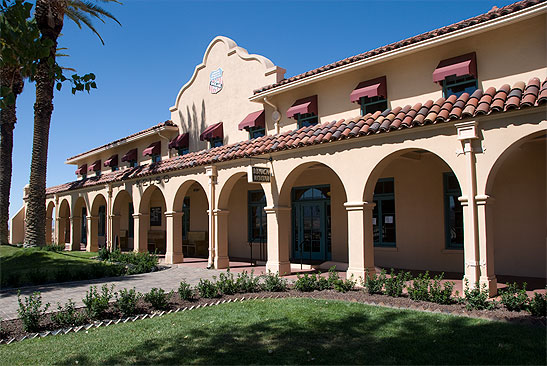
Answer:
(520, 96)
(167, 123)
(492, 14)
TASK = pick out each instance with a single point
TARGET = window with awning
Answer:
(82, 170)
(180, 142)
(457, 75)
(302, 106)
(111, 162)
(95, 166)
(152, 149)
(371, 94)
(255, 124)
(130, 156)
(214, 134)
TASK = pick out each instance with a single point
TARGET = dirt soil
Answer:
(14, 328)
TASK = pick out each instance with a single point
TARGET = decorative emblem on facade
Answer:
(215, 81)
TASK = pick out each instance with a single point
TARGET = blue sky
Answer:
(152, 55)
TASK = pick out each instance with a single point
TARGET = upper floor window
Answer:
(131, 158)
(255, 124)
(112, 162)
(181, 143)
(183, 151)
(82, 171)
(371, 95)
(457, 75)
(154, 151)
(95, 167)
(214, 134)
(304, 111)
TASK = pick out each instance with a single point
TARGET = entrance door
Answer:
(311, 223)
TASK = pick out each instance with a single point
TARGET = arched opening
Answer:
(516, 219)
(50, 223)
(417, 219)
(123, 226)
(245, 225)
(98, 228)
(318, 223)
(79, 225)
(152, 224)
(63, 234)
(191, 226)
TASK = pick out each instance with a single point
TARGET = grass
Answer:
(290, 331)
(32, 266)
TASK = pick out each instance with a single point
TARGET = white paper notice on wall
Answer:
(388, 219)
(374, 221)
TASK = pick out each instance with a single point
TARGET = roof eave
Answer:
(405, 50)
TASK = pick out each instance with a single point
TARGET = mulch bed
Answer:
(14, 328)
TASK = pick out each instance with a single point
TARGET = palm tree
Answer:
(49, 15)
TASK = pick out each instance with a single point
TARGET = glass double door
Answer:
(311, 231)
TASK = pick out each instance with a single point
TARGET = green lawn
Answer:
(290, 331)
(20, 267)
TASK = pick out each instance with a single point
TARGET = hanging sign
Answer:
(215, 81)
(257, 174)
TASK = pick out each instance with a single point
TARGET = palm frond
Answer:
(93, 9)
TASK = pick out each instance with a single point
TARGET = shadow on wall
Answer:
(194, 125)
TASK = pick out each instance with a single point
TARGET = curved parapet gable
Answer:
(219, 91)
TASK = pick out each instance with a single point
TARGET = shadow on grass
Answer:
(354, 337)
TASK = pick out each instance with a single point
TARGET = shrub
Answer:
(207, 289)
(248, 282)
(126, 301)
(334, 277)
(375, 284)
(97, 304)
(135, 262)
(513, 298)
(477, 298)
(53, 248)
(274, 283)
(322, 283)
(395, 283)
(441, 293)
(67, 316)
(31, 311)
(538, 305)
(103, 254)
(157, 297)
(226, 283)
(419, 291)
(185, 291)
(306, 283)
(344, 286)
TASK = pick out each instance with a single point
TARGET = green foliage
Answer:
(538, 305)
(185, 291)
(274, 283)
(513, 298)
(158, 298)
(375, 284)
(344, 286)
(248, 283)
(477, 298)
(322, 283)
(395, 284)
(53, 248)
(207, 289)
(441, 293)
(30, 311)
(306, 283)
(126, 301)
(135, 262)
(67, 316)
(419, 290)
(103, 254)
(97, 303)
(226, 283)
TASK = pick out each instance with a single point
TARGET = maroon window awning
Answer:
(82, 169)
(371, 88)
(153, 149)
(302, 106)
(212, 132)
(111, 161)
(255, 119)
(131, 155)
(180, 142)
(95, 166)
(457, 66)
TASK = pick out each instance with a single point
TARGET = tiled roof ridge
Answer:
(159, 125)
(492, 14)
(492, 100)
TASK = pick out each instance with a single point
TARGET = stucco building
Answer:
(427, 154)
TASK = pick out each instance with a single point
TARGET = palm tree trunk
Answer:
(12, 78)
(49, 17)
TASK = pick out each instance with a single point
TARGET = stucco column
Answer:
(56, 233)
(92, 234)
(360, 239)
(211, 172)
(114, 230)
(279, 239)
(173, 223)
(486, 243)
(140, 239)
(75, 232)
(467, 133)
(109, 235)
(221, 241)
